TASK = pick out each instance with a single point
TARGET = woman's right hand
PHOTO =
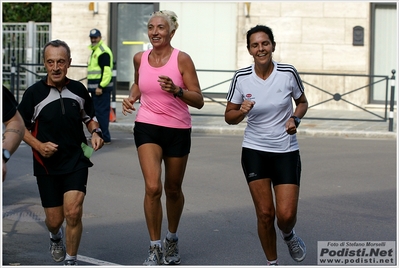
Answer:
(127, 106)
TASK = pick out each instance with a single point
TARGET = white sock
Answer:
(56, 236)
(171, 236)
(156, 242)
(67, 257)
(287, 235)
(272, 262)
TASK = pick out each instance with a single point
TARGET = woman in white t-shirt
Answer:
(263, 92)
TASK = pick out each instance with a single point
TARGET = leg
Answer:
(262, 197)
(102, 106)
(286, 206)
(150, 157)
(73, 209)
(174, 173)
(54, 218)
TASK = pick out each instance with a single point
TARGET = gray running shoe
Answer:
(296, 247)
(154, 256)
(171, 256)
(70, 263)
(57, 249)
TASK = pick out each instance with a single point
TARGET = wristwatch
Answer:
(98, 131)
(6, 155)
(179, 94)
(297, 120)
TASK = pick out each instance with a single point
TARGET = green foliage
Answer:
(24, 12)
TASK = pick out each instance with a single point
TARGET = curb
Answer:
(239, 130)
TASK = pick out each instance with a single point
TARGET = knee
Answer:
(73, 216)
(287, 218)
(266, 216)
(53, 224)
(153, 191)
(173, 193)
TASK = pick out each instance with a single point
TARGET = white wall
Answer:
(72, 22)
(207, 32)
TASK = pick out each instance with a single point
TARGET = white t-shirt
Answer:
(273, 107)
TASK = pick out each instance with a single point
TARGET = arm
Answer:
(45, 149)
(300, 111)
(134, 95)
(104, 61)
(235, 113)
(192, 95)
(96, 138)
(12, 136)
(13, 133)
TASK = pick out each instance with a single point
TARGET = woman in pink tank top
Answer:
(166, 83)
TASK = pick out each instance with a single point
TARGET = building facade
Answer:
(326, 38)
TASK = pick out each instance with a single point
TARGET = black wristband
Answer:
(98, 131)
(179, 94)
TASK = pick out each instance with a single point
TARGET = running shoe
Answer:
(154, 256)
(70, 263)
(296, 247)
(57, 249)
(171, 256)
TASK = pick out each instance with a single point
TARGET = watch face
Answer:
(6, 155)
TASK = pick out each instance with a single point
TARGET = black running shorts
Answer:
(175, 142)
(281, 168)
(53, 187)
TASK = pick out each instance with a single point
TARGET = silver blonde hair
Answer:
(169, 16)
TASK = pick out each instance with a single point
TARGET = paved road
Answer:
(348, 194)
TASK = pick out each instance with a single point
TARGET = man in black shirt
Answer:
(54, 111)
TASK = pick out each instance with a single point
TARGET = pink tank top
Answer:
(158, 107)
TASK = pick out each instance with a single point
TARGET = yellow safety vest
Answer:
(94, 70)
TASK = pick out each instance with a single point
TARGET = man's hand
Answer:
(99, 91)
(47, 149)
(96, 141)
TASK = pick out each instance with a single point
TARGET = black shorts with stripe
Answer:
(281, 168)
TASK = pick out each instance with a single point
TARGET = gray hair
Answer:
(58, 43)
(169, 16)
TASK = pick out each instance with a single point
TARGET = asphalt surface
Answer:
(348, 193)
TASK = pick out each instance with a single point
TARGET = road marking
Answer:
(96, 261)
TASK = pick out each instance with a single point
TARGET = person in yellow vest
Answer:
(100, 84)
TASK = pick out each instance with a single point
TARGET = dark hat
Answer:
(94, 33)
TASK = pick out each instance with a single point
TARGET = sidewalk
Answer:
(210, 120)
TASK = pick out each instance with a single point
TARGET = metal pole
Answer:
(12, 82)
(392, 103)
(113, 102)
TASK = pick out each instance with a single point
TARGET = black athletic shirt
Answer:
(9, 104)
(58, 117)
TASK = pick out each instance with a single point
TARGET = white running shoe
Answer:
(171, 256)
(154, 256)
(296, 247)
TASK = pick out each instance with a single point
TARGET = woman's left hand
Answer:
(290, 126)
(167, 84)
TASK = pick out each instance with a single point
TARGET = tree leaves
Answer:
(24, 12)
